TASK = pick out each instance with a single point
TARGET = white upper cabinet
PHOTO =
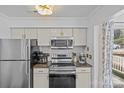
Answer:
(56, 32)
(17, 33)
(31, 33)
(43, 37)
(64, 32)
(67, 32)
(21, 33)
(79, 37)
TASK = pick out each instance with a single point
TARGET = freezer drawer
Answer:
(14, 74)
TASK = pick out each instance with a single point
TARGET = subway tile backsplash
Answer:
(76, 49)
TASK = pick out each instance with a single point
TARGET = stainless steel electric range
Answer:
(62, 73)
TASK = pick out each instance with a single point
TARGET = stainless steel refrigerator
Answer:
(14, 63)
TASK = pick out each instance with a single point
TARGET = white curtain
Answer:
(107, 30)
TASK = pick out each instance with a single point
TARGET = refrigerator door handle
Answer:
(27, 63)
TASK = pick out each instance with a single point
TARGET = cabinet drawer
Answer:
(41, 75)
(79, 69)
(40, 70)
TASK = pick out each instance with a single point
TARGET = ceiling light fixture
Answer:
(44, 9)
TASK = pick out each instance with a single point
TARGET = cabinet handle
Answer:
(83, 70)
(40, 71)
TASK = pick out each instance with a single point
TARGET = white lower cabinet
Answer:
(83, 77)
(40, 78)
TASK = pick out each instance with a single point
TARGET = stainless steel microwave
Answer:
(62, 43)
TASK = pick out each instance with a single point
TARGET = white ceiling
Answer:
(58, 11)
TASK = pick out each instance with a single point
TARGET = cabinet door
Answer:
(43, 37)
(56, 32)
(31, 33)
(67, 32)
(64, 32)
(83, 80)
(41, 81)
(79, 37)
(17, 33)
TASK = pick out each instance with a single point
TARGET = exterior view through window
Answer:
(118, 59)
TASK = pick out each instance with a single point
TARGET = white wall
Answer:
(48, 22)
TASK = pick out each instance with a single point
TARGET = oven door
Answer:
(62, 81)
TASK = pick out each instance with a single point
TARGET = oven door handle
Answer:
(69, 73)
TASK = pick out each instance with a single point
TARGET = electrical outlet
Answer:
(90, 56)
